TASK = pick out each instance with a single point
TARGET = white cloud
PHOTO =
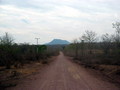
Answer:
(66, 19)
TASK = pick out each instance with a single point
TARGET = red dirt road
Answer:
(62, 74)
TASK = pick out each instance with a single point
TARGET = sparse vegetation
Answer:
(102, 55)
(15, 58)
(91, 51)
(18, 55)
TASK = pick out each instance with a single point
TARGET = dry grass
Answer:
(28, 70)
(7, 74)
(110, 69)
(11, 77)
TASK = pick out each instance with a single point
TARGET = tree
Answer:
(7, 39)
(89, 37)
(117, 35)
(6, 50)
(117, 27)
(82, 48)
(75, 41)
(106, 43)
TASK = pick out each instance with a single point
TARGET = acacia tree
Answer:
(89, 37)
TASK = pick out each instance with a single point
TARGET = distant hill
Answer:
(58, 42)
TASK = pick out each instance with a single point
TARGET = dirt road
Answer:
(62, 74)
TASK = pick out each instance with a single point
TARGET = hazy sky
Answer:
(49, 19)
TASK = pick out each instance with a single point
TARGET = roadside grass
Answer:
(111, 71)
(11, 77)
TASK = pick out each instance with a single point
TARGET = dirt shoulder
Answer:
(108, 72)
(14, 76)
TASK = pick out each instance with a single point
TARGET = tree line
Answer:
(89, 48)
(13, 54)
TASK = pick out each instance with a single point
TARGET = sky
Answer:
(26, 20)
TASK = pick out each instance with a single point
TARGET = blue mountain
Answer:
(58, 42)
